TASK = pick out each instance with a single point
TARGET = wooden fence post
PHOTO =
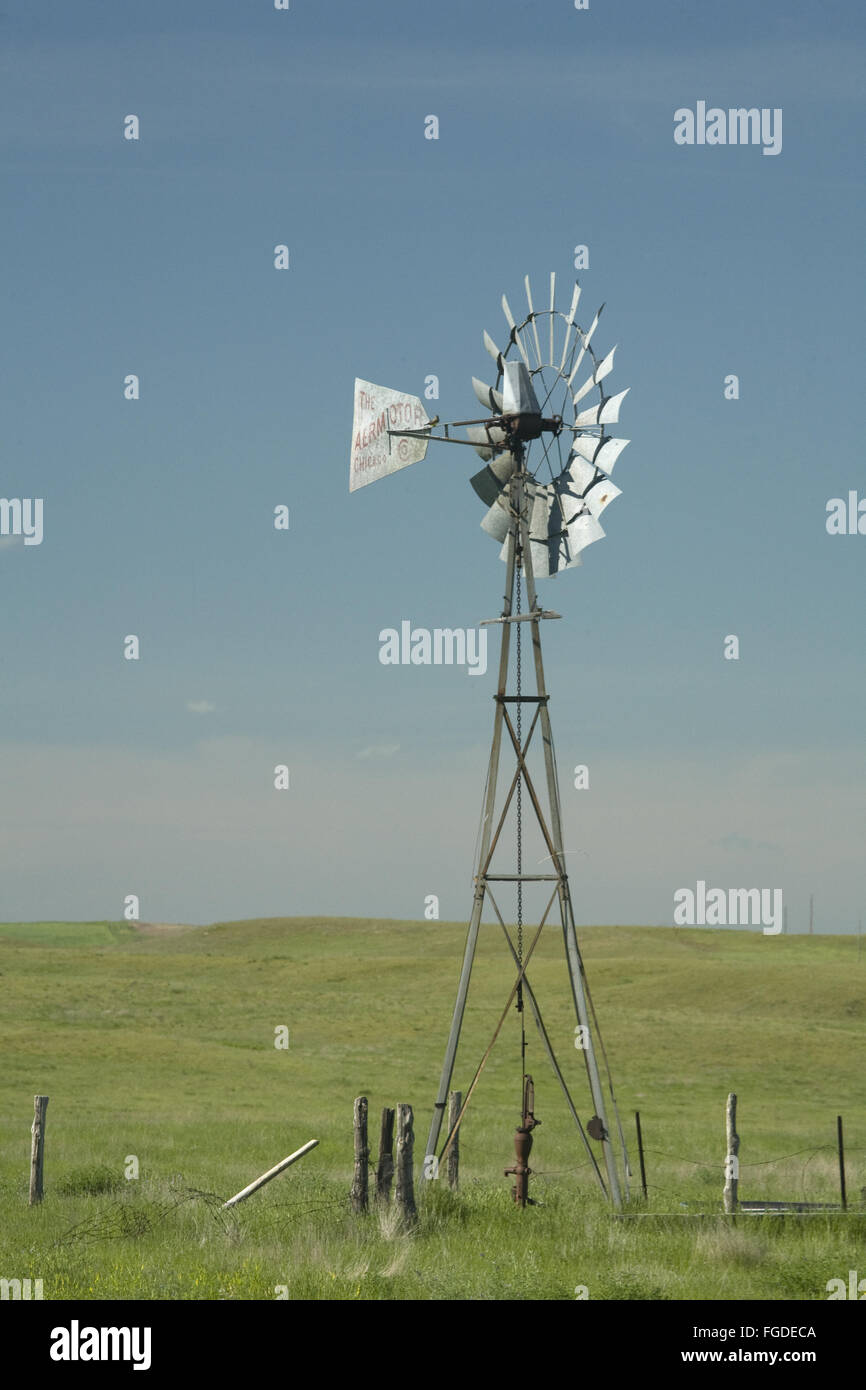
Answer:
(269, 1175)
(455, 1100)
(640, 1152)
(385, 1166)
(358, 1194)
(405, 1191)
(732, 1163)
(37, 1148)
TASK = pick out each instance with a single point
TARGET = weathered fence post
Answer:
(732, 1163)
(455, 1100)
(37, 1149)
(385, 1166)
(640, 1152)
(358, 1194)
(841, 1146)
(269, 1175)
(405, 1191)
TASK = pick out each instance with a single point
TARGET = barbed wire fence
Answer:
(856, 1197)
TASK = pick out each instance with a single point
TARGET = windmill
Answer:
(545, 483)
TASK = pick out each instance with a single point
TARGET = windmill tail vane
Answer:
(545, 480)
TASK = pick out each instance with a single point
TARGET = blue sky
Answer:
(155, 257)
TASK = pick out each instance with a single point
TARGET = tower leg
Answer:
(575, 971)
(456, 1025)
(575, 964)
(478, 901)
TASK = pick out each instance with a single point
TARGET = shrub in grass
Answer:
(91, 1181)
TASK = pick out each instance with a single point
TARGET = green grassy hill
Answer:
(158, 1042)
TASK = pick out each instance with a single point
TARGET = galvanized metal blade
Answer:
(498, 520)
(515, 336)
(600, 494)
(540, 553)
(548, 559)
(548, 532)
(609, 413)
(484, 438)
(568, 499)
(598, 449)
(493, 350)
(532, 319)
(605, 414)
(570, 561)
(488, 395)
(604, 368)
(581, 474)
(559, 556)
(583, 529)
(569, 324)
(492, 480)
(586, 339)
(539, 514)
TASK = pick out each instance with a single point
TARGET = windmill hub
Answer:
(526, 427)
(520, 417)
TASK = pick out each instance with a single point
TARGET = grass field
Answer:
(159, 1043)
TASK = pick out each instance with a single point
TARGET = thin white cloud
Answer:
(745, 844)
(379, 750)
(200, 706)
